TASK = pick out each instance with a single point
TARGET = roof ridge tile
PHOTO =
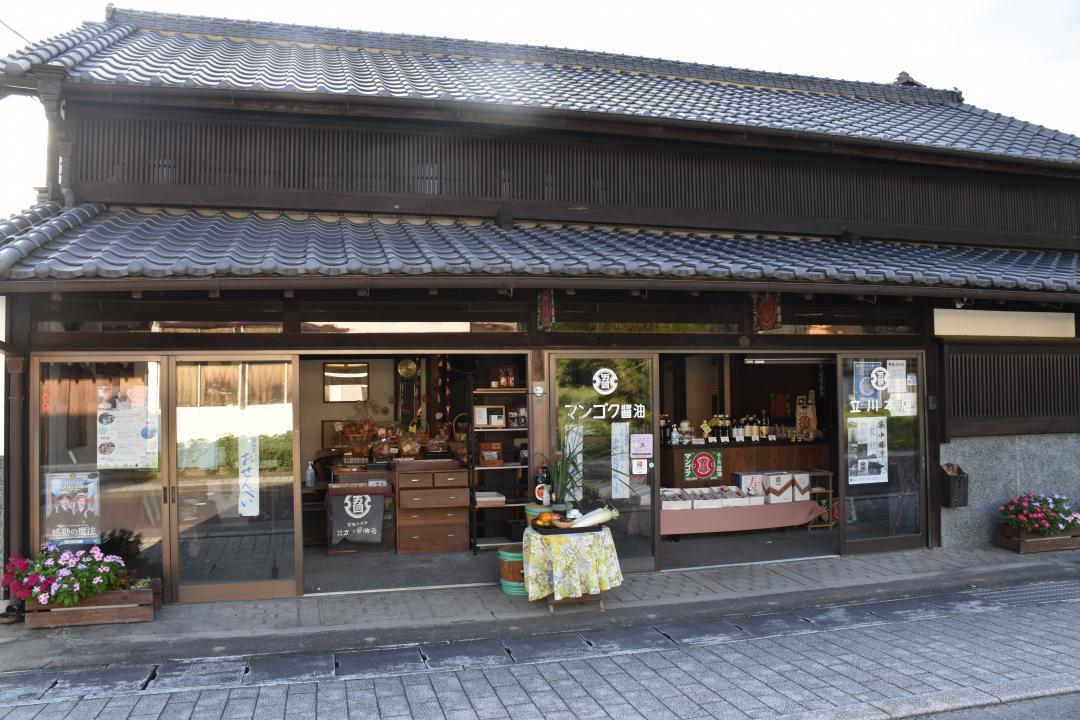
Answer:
(289, 32)
(19, 62)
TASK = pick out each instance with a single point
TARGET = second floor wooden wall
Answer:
(286, 162)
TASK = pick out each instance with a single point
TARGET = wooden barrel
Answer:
(511, 566)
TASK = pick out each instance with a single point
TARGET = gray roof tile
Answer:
(140, 48)
(91, 241)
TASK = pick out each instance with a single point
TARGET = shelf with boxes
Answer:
(499, 432)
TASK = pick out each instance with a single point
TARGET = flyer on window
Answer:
(867, 449)
(127, 429)
(72, 512)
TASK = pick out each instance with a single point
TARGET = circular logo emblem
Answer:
(357, 506)
(703, 465)
(804, 422)
(605, 381)
(879, 378)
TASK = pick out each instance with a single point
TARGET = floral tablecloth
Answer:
(570, 565)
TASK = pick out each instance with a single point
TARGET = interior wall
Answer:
(313, 410)
(699, 383)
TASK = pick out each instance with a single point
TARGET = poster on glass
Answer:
(127, 429)
(72, 515)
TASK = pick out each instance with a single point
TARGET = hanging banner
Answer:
(545, 310)
(620, 460)
(867, 449)
(247, 449)
(72, 515)
(127, 429)
(767, 312)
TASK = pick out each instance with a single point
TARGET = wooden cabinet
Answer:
(433, 506)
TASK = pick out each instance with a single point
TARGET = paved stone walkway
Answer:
(368, 620)
(892, 659)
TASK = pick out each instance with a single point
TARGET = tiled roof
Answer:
(150, 49)
(92, 241)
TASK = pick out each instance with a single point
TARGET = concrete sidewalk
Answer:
(375, 619)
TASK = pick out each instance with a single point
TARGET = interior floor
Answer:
(376, 571)
(743, 547)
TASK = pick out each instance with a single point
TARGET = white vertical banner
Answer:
(620, 460)
(248, 461)
(575, 443)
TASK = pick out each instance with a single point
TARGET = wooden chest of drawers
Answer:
(432, 506)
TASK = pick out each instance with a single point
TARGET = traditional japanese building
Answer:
(880, 278)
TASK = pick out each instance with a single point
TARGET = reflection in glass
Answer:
(647, 327)
(234, 435)
(882, 447)
(599, 404)
(345, 382)
(348, 327)
(100, 457)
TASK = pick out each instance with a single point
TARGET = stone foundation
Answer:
(1001, 468)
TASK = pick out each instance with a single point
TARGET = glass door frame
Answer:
(259, 590)
(551, 357)
(34, 439)
(169, 490)
(884, 544)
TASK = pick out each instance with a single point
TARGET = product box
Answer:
(675, 499)
(777, 487)
(705, 498)
(750, 483)
(800, 486)
(734, 497)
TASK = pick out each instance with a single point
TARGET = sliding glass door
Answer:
(235, 490)
(882, 451)
(100, 469)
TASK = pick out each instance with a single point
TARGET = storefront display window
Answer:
(882, 447)
(100, 450)
(604, 410)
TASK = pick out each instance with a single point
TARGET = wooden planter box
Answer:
(110, 607)
(1022, 541)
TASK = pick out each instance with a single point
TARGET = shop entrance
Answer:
(415, 464)
(768, 457)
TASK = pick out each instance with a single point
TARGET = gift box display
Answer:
(778, 487)
(800, 486)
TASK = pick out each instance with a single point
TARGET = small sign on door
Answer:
(641, 445)
(639, 466)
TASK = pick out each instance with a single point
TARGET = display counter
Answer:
(679, 469)
(735, 519)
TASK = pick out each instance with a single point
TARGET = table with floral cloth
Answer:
(569, 565)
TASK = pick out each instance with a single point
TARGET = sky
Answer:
(1016, 58)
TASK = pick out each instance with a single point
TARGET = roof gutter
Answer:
(352, 282)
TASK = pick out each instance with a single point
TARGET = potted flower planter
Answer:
(110, 607)
(1023, 541)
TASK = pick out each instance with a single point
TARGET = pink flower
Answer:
(43, 599)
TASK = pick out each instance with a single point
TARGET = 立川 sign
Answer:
(702, 465)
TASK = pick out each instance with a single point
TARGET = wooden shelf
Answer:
(489, 430)
(499, 467)
(501, 391)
